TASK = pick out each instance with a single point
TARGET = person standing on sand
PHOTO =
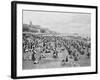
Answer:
(34, 57)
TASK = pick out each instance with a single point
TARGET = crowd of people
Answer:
(36, 46)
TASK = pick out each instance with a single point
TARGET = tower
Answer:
(30, 23)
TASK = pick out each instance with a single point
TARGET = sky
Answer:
(79, 23)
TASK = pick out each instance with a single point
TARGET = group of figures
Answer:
(35, 46)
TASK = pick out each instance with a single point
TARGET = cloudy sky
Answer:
(60, 22)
